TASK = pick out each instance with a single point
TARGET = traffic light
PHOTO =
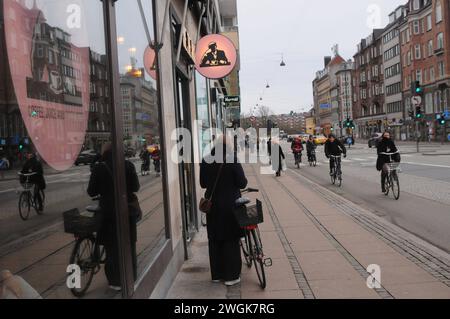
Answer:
(442, 120)
(419, 114)
(411, 113)
(417, 89)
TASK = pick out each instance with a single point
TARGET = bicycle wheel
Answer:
(395, 185)
(339, 180)
(83, 256)
(258, 259)
(387, 185)
(24, 205)
(245, 246)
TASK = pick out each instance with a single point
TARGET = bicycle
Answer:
(27, 198)
(251, 244)
(391, 181)
(312, 159)
(88, 254)
(336, 175)
(145, 168)
(298, 158)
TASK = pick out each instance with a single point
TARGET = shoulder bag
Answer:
(206, 203)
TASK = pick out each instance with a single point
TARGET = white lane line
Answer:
(423, 164)
(8, 190)
(359, 159)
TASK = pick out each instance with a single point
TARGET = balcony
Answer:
(439, 52)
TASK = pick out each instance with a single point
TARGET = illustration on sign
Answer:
(215, 56)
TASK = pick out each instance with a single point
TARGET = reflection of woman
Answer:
(101, 183)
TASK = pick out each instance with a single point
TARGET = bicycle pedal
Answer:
(268, 262)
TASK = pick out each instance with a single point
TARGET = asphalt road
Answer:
(424, 205)
(64, 191)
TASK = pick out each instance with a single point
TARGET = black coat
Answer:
(32, 165)
(310, 146)
(277, 162)
(101, 183)
(336, 148)
(386, 146)
(221, 222)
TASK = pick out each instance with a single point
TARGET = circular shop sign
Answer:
(150, 62)
(215, 57)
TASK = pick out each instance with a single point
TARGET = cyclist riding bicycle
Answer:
(145, 157)
(156, 156)
(334, 147)
(386, 145)
(297, 149)
(310, 147)
(33, 165)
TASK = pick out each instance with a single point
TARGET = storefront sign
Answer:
(215, 56)
(324, 106)
(49, 64)
(232, 99)
(150, 62)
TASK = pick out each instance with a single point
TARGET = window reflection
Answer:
(140, 119)
(55, 103)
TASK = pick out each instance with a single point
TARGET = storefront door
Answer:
(186, 170)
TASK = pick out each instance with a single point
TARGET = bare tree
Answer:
(264, 113)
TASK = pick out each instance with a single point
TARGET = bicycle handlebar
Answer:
(389, 154)
(26, 175)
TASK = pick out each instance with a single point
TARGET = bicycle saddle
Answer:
(242, 201)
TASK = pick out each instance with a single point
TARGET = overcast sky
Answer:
(305, 32)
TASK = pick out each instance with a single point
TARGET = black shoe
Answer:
(383, 190)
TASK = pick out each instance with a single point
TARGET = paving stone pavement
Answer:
(321, 246)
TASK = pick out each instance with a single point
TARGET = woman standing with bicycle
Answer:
(223, 177)
(101, 184)
(386, 145)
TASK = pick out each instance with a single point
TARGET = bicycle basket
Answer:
(251, 215)
(27, 186)
(81, 224)
(390, 167)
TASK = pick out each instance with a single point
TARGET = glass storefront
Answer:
(60, 120)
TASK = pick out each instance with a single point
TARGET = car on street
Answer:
(320, 140)
(374, 140)
(87, 157)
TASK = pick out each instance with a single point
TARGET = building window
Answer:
(438, 11)
(441, 69)
(419, 76)
(430, 48)
(432, 74)
(429, 22)
(440, 41)
(417, 50)
(416, 27)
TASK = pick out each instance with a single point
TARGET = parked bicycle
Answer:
(87, 253)
(248, 218)
(391, 170)
(312, 159)
(336, 176)
(28, 196)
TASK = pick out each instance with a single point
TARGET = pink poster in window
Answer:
(50, 76)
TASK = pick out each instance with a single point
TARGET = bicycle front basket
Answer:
(249, 216)
(81, 224)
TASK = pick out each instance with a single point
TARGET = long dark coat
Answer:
(386, 146)
(101, 183)
(221, 223)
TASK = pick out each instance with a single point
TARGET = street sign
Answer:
(232, 99)
(416, 101)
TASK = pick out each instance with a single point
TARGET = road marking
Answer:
(359, 159)
(8, 190)
(422, 164)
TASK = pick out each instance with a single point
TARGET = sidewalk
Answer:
(321, 246)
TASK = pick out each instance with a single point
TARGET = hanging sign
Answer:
(215, 56)
(49, 63)
(150, 62)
